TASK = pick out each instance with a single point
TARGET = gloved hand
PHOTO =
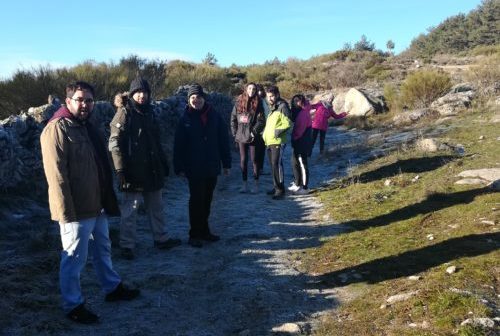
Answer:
(122, 183)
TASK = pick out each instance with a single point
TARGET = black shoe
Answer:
(127, 253)
(167, 244)
(195, 242)
(278, 195)
(122, 293)
(82, 315)
(271, 192)
(210, 237)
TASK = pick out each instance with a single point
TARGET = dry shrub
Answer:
(348, 74)
(421, 88)
(486, 74)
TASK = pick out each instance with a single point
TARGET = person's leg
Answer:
(100, 245)
(295, 169)
(243, 161)
(244, 166)
(196, 207)
(304, 170)
(128, 232)
(260, 152)
(277, 168)
(154, 208)
(322, 135)
(255, 162)
(256, 170)
(75, 239)
(314, 137)
(270, 158)
(208, 186)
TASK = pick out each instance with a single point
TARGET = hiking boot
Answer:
(278, 195)
(167, 244)
(127, 253)
(244, 188)
(82, 315)
(210, 237)
(122, 293)
(195, 242)
(271, 192)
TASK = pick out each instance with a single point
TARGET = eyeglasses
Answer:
(81, 100)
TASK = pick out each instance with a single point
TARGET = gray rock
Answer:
(401, 297)
(484, 322)
(485, 174)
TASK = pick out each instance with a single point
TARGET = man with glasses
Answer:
(81, 196)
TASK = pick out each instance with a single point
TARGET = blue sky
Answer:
(65, 33)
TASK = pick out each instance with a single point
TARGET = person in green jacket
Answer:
(275, 136)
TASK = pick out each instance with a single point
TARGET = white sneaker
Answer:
(293, 187)
(301, 191)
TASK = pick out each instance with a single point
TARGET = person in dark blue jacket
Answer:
(201, 149)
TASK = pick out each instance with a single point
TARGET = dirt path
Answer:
(246, 284)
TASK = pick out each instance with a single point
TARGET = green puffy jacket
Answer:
(277, 124)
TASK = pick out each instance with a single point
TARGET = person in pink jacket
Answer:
(324, 111)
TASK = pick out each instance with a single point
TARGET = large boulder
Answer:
(456, 100)
(363, 103)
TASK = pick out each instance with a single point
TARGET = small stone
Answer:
(291, 328)
(414, 277)
(387, 182)
(430, 236)
(482, 137)
(383, 306)
(401, 297)
(451, 269)
(412, 325)
(488, 222)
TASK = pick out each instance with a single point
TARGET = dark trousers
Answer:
(201, 191)
(260, 152)
(322, 135)
(245, 150)
(275, 153)
(300, 169)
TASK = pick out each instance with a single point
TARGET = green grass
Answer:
(414, 227)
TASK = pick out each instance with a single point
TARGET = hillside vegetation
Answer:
(358, 64)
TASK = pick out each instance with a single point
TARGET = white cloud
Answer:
(148, 54)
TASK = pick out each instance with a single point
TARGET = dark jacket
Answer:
(247, 124)
(136, 149)
(200, 149)
(77, 169)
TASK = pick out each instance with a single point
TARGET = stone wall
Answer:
(21, 169)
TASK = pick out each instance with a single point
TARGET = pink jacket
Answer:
(302, 122)
(322, 114)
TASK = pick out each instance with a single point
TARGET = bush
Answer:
(486, 74)
(421, 88)
(392, 98)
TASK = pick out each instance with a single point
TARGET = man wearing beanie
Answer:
(201, 148)
(141, 166)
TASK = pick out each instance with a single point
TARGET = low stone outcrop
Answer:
(456, 100)
(20, 155)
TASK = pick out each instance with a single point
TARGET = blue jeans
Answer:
(77, 239)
